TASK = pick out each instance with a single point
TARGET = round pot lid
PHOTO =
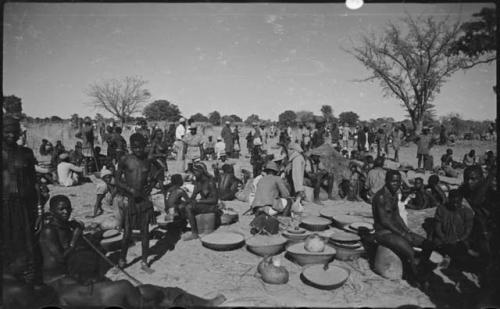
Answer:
(263, 241)
(313, 220)
(223, 238)
(348, 245)
(341, 236)
(329, 212)
(299, 249)
(357, 225)
(332, 277)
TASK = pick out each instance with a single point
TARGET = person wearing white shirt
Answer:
(180, 131)
(220, 147)
(67, 173)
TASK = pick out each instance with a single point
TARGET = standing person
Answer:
(143, 129)
(443, 139)
(393, 233)
(345, 135)
(134, 180)
(257, 159)
(297, 165)
(119, 144)
(180, 131)
(220, 147)
(227, 136)
(21, 207)
(381, 140)
(396, 137)
(159, 148)
(193, 147)
(334, 134)
(306, 133)
(87, 134)
(363, 144)
(375, 178)
(318, 137)
(289, 132)
(424, 144)
(236, 137)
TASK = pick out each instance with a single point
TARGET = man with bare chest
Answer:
(206, 189)
(135, 180)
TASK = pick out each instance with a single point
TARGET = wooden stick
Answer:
(109, 261)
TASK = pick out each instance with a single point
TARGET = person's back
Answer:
(65, 174)
(269, 188)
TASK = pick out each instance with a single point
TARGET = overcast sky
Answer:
(234, 58)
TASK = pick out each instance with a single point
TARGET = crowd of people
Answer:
(46, 251)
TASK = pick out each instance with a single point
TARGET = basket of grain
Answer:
(223, 241)
(264, 245)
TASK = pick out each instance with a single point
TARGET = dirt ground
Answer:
(204, 272)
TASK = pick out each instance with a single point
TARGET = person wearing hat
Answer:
(22, 207)
(270, 190)
(180, 131)
(193, 146)
(67, 173)
(227, 136)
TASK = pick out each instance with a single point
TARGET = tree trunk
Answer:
(418, 126)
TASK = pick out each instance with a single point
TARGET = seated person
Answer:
(393, 233)
(270, 191)
(175, 196)
(488, 161)
(220, 147)
(73, 271)
(350, 188)
(76, 155)
(209, 149)
(483, 199)
(452, 226)
(68, 174)
(107, 185)
(227, 183)
(422, 199)
(206, 188)
(319, 177)
(448, 165)
(436, 192)
(375, 178)
(470, 158)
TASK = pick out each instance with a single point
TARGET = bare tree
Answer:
(412, 61)
(121, 98)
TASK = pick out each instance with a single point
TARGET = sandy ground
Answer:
(204, 272)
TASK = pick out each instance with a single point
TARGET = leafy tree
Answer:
(121, 98)
(12, 106)
(305, 116)
(55, 119)
(236, 118)
(251, 119)
(411, 64)
(350, 117)
(214, 118)
(479, 39)
(199, 117)
(287, 118)
(161, 110)
(327, 112)
(98, 117)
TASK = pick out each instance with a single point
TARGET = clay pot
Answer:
(271, 271)
(314, 243)
(388, 264)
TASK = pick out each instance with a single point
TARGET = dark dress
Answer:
(19, 203)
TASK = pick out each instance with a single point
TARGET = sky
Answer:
(243, 59)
